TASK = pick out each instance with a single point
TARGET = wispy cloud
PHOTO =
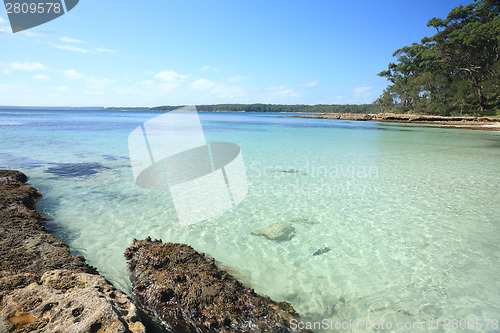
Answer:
(2, 20)
(282, 91)
(41, 77)
(71, 40)
(104, 50)
(237, 78)
(74, 75)
(360, 90)
(28, 66)
(170, 76)
(30, 33)
(210, 68)
(202, 84)
(71, 48)
(63, 88)
(311, 84)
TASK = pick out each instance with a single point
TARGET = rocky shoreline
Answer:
(480, 123)
(43, 288)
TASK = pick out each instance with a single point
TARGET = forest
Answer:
(454, 72)
(320, 108)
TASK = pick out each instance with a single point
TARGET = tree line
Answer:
(456, 71)
(320, 108)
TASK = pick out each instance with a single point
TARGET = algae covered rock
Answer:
(189, 293)
(69, 302)
(276, 231)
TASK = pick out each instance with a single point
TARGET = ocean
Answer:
(388, 223)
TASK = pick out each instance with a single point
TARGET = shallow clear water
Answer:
(411, 214)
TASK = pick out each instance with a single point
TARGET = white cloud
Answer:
(2, 20)
(104, 50)
(280, 91)
(360, 90)
(202, 84)
(29, 33)
(5, 71)
(71, 48)
(125, 90)
(5, 30)
(169, 81)
(63, 88)
(311, 84)
(28, 66)
(209, 68)
(71, 40)
(41, 77)
(238, 78)
(74, 75)
(171, 77)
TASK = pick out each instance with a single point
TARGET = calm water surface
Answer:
(410, 214)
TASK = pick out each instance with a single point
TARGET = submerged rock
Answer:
(276, 231)
(75, 169)
(38, 274)
(303, 220)
(66, 301)
(321, 251)
(188, 293)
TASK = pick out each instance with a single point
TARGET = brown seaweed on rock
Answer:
(188, 293)
(43, 288)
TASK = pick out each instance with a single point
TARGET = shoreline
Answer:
(43, 287)
(473, 123)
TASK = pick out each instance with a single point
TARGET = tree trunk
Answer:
(479, 91)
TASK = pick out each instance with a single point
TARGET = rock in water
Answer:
(303, 220)
(321, 251)
(188, 293)
(66, 301)
(276, 231)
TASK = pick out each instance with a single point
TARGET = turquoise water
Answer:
(411, 214)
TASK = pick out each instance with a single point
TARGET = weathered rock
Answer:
(406, 118)
(276, 231)
(30, 258)
(187, 291)
(27, 250)
(66, 301)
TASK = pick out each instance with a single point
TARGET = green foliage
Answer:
(455, 71)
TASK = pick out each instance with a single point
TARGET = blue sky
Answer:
(176, 52)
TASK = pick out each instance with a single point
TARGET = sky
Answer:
(178, 52)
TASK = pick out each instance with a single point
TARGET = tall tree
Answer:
(444, 72)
